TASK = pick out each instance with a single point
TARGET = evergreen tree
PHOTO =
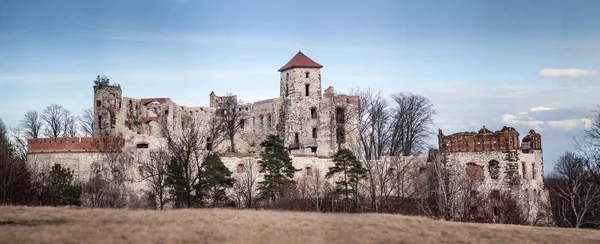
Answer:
(277, 164)
(102, 81)
(55, 187)
(350, 171)
(216, 177)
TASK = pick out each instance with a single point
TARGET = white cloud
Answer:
(541, 108)
(528, 119)
(570, 73)
(567, 125)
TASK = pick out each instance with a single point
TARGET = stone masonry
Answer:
(313, 123)
(498, 161)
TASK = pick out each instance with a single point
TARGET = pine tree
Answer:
(350, 171)
(216, 178)
(277, 164)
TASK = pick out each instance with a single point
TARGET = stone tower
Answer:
(300, 91)
(107, 107)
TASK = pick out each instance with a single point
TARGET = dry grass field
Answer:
(80, 225)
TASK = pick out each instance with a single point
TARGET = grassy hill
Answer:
(80, 225)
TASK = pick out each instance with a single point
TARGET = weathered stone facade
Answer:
(313, 124)
(497, 161)
(304, 117)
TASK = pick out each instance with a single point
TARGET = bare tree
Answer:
(155, 171)
(589, 145)
(411, 121)
(575, 194)
(19, 142)
(31, 125)
(374, 123)
(55, 118)
(246, 184)
(231, 114)
(70, 126)
(317, 186)
(184, 168)
(86, 122)
(443, 186)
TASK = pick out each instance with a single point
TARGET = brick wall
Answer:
(484, 140)
(74, 145)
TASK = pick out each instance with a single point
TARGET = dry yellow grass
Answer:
(80, 225)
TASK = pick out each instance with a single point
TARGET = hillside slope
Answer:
(80, 225)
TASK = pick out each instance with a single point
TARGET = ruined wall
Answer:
(261, 120)
(328, 126)
(107, 105)
(484, 140)
(496, 161)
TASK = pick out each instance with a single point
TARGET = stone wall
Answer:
(495, 161)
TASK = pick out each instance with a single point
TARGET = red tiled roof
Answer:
(300, 61)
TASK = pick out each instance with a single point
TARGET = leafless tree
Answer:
(231, 114)
(86, 122)
(31, 125)
(575, 194)
(588, 146)
(110, 178)
(443, 187)
(374, 120)
(246, 184)
(184, 169)
(19, 142)
(155, 171)
(318, 186)
(214, 134)
(391, 177)
(70, 126)
(55, 117)
(411, 121)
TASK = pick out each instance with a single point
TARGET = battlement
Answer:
(484, 140)
(75, 145)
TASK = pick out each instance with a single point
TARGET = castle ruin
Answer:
(313, 124)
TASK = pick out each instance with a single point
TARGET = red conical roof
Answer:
(300, 61)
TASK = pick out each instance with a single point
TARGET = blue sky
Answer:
(527, 64)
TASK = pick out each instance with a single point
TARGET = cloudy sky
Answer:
(527, 64)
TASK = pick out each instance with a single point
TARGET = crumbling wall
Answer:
(107, 107)
(506, 166)
(485, 140)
